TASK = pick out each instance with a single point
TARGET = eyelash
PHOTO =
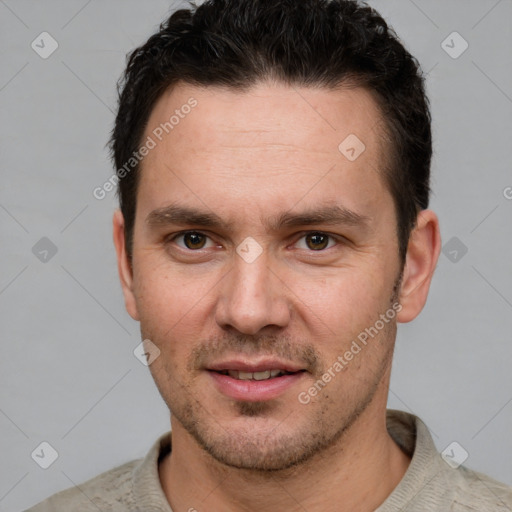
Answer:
(173, 237)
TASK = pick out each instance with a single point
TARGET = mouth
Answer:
(246, 381)
(261, 375)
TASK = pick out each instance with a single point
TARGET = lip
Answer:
(255, 366)
(254, 390)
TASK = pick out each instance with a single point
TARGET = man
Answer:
(273, 163)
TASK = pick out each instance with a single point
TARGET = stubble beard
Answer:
(281, 448)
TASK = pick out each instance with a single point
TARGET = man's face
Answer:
(266, 287)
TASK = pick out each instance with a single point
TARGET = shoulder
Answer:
(474, 491)
(109, 491)
(433, 481)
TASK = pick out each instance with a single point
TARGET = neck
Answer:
(357, 473)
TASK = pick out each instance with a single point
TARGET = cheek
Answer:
(342, 302)
(164, 296)
(172, 308)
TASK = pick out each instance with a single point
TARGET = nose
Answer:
(252, 297)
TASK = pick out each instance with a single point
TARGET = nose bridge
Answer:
(251, 298)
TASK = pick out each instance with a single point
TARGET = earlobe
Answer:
(123, 265)
(422, 255)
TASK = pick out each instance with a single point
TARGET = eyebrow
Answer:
(328, 215)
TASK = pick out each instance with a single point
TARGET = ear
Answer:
(421, 260)
(123, 265)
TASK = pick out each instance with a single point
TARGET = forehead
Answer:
(267, 108)
(271, 138)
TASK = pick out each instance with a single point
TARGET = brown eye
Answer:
(194, 240)
(191, 240)
(317, 241)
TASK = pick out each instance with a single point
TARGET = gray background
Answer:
(68, 375)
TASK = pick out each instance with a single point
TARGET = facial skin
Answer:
(247, 158)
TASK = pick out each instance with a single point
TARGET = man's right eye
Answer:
(192, 240)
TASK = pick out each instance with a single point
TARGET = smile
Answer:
(261, 375)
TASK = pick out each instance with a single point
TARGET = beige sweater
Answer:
(430, 483)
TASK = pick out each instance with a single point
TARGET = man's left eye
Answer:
(317, 241)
